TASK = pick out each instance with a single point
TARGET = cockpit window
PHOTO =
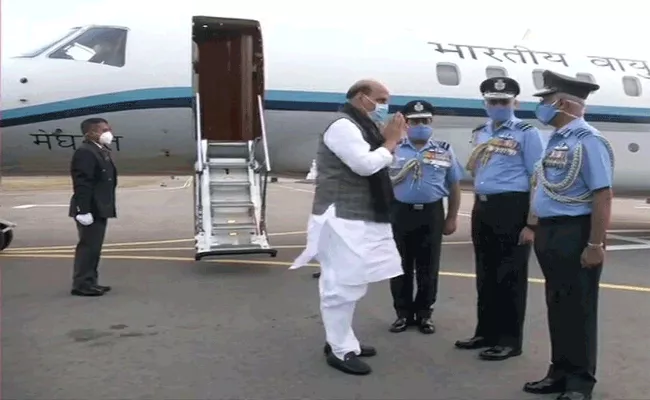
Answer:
(96, 45)
(41, 49)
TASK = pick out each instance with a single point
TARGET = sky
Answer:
(563, 25)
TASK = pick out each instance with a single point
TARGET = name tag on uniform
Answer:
(482, 197)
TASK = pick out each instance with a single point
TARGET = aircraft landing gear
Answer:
(6, 233)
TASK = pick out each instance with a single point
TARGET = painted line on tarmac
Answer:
(132, 189)
(627, 288)
(71, 247)
(145, 249)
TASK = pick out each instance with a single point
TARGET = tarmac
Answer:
(246, 327)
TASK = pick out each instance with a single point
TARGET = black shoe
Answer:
(103, 288)
(350, 364)
(400, 325)
(315, 275)
(545, 386)
(426, 326)
(498, 353)
(574, 396)
(87, 292)
(366, 351)
(476, 342)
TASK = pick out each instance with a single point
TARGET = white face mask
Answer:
(106, 138)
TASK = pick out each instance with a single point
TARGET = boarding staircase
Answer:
(230, 194)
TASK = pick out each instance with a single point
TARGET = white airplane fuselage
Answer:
(146, 95)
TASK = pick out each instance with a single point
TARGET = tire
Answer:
(5, 238)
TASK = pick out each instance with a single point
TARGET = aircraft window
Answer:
(96, 45)
(41, 49)
(447, 74)
(632, 86)
(585, 77)
(538, 79)
(495, 72)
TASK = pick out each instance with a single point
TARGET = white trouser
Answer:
(337, 304)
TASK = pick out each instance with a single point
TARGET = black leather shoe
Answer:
(400, 325)
(545, 386)
(477, 342)
(103, 288)
(87, 292)
(426, 326)
(315, 275)
(366, 351)
(350, 364)
(574, 396)
(498, 353)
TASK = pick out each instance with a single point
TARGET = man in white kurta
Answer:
(348, 231)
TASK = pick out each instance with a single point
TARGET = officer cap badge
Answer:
(418, 107)
(499, 85)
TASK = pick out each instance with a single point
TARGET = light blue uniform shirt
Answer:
(439, 170)
(595, 173)
(508, 172)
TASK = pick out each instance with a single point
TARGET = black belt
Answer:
(417, 206)
(563, 219)
(484, 198)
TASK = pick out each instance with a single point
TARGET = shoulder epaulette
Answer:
(443, 145)
(582, 133)
(478, 128)
(523, 126)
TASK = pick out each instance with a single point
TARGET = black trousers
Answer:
(417, 229)
(571, 299)
(87, 253)
(501, 266)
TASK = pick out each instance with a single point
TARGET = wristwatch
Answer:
(594, 245)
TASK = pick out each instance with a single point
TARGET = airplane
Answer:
(140, 74)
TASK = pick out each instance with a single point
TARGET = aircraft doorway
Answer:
(228, 75)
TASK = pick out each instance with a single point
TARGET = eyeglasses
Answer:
(499, 102)
(419, 121)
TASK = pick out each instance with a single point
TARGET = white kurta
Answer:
(351, 253)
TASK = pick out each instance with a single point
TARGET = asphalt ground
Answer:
(246, 327)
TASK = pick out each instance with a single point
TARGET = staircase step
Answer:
(228, 149)
(225, 215)
(228, 162)
(219, 143)
(232, 238)
(239, 248)
(234, 227)
(230, 193)
(231, 204)
(229, 182)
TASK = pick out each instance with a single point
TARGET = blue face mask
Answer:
(380, 113)
(419, 133)
(545, 113)
(499, 113)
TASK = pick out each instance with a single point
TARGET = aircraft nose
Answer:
(4, 87)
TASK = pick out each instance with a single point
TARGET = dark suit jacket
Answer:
(94, 179)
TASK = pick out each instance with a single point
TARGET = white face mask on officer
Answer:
(106, 138)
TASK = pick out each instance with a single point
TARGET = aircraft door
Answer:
(228, 65)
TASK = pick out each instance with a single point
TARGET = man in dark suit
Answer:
(94, 179)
